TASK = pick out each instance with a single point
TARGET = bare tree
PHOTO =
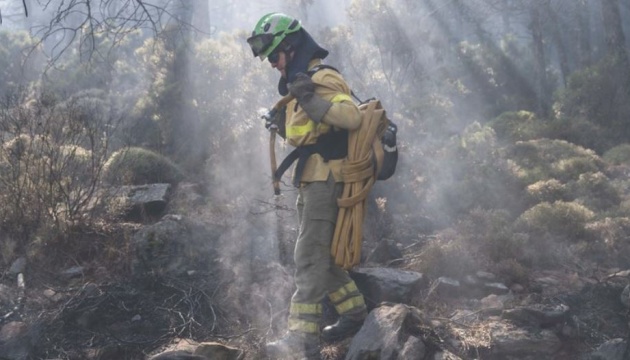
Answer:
(64, 22)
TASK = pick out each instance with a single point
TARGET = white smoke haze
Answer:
(442, 69)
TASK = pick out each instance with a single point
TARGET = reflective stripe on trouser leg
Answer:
(316, 274)
(348, 300)
(305, 317)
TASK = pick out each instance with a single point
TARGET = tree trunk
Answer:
(559, 43)
(582, 14)
(615, 38)
(539, 59)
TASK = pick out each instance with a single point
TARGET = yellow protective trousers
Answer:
(316, 274)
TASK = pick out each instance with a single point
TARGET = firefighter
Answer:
(316, 123)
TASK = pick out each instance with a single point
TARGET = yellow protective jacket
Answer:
(343, 114)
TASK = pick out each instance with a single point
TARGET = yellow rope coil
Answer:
(359, 177)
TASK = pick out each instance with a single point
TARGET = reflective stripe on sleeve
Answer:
(340, 97)
(300, 130)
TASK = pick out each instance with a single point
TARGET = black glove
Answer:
(389, 137)
(303, 89)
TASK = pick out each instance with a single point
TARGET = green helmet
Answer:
(269, 32)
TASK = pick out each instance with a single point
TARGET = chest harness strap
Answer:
(332, 145)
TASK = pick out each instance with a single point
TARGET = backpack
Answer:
(385, 151)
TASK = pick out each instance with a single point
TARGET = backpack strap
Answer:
(316, 68)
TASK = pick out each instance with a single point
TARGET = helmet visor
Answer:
(260, 43)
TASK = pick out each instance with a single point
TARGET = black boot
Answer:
(345, 327)
(294, 345)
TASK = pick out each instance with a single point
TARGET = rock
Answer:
(18, 266)
(447, 287)
(517, 288)
(470, 281)
(186, 345)
(178, 355)
(509, 341)
(187, 349)
(387, 285)
(52, 295)
(610, 350)
(217, 351)
(385, 335)
(492, 304)
(538, 315)
(483, 275)
(413, 348)
(496, 288)
(173, 247)
(17, 341)
(445, 355)
(143, 201)
(73, 272)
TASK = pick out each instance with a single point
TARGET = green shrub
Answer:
(609, 241)
(511, 271)
(446, 255)
(477, 176)
(579, 131)
(518, 126)
(138, 166)
(595, 191)
(545, 159)
(573, 168)
(488, 233)
(547, 191)
(619, 155)
(561, 219)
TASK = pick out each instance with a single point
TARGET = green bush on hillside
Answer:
(547, 191)
(579, 131)
(518, 126)
(619, 155)
(490, 234)
(544, 159)
(138, 166)
(471, 172)
(446, 255)
(560, 219)
(609, 240)
(595, 191)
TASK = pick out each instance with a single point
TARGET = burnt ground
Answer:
(103, 314)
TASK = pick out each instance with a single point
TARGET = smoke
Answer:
(438, 67)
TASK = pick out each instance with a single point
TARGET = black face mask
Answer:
(304, 50)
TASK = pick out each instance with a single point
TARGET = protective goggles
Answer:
(259, 43)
